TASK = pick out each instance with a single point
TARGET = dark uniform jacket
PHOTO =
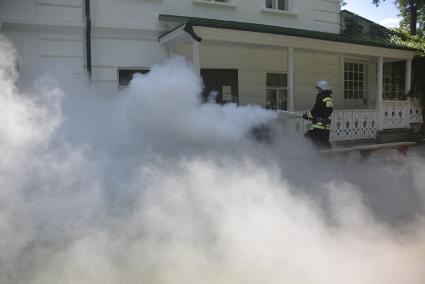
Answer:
(321, 112)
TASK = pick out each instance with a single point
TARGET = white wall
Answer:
(42, 11)
(110, 54)
(320, 15)
(49, 35)
(310, 67)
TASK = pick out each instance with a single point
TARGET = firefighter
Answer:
(320, 116)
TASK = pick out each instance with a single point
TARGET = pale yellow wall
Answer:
(309, 67)
(252, 63)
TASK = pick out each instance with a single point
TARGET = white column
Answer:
(379, 91)
(196, 61)
(291, 106)
(408, 75)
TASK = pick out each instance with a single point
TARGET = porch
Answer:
(277, 68)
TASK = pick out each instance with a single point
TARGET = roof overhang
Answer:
(182, 34)
(210, 30)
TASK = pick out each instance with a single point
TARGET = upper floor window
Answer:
(277, 4)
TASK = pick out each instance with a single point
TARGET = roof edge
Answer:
(253, 27)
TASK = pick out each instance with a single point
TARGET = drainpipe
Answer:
(88, 37)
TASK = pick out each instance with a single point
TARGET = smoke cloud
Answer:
(148, 185)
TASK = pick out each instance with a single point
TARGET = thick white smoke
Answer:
(151, 186)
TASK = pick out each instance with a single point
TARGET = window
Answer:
(277, 4)
(277, 91)
(394, 81)
(220, 1)
(126, 75)
(354, 80)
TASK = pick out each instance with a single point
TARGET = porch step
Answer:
(395, 135)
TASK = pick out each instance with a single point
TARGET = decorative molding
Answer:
(353, 125)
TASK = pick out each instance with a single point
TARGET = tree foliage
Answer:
(412, 12)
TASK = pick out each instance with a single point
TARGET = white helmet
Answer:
(323, 85)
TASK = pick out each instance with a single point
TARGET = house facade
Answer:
(264, 52)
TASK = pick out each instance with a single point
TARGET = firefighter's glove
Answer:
(305, 116)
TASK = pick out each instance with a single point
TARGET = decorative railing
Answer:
(400, 114)
(415, 111)
(394, 114)
(353, 125)
(363, 124)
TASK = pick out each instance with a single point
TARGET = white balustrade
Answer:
(415, 111)
(353, 125)
(395, 114)
(363, 124)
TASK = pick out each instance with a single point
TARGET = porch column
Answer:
(196, 57)
(291, 79)
(379, 87)
(408, 75)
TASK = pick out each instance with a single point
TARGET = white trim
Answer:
(365, 82)
(196, 58)
(291, 81)
(229, 4)
(281, 12)
(379, 88)
(176, 37)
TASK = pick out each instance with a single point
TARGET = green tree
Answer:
(412, 12)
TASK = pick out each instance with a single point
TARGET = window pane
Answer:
(276, 80)
(269, 4)
(281, 4)
(283, 99)
(271, 99)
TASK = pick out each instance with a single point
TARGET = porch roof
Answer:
(190, 22)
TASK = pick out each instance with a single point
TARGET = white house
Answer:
(266, 52)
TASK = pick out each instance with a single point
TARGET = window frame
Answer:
(277, 89)
(275, 5)
(134, 70)
(354, 80)
(393, 84)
